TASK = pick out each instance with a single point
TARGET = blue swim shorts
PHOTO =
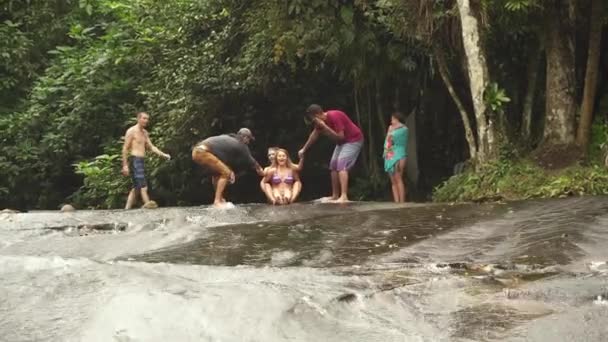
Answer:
(137, 170)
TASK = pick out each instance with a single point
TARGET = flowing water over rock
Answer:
(525, 271)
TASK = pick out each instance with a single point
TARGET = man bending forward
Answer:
(222, 155)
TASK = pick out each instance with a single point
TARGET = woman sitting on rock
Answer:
(283, 179)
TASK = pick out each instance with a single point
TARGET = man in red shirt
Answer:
(349, 141)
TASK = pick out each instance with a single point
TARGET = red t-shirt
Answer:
(339, 121)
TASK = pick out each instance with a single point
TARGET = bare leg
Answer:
(287, 196)
(144, 195)
(278, 198)
(214, 180)
(267, 190)
(399, 180)
(394, 187)
(220, 186)
(335, 185)
(343, 178)
(295, 192)
(131, 198)
(263, 188)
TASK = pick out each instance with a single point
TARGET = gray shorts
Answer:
(345, 156)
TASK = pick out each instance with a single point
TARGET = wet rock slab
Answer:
(526, 271)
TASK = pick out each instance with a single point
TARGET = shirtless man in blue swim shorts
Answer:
(137, 141)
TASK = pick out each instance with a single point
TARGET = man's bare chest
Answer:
(139, 138)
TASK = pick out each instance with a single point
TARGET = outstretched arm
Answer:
(300, 165)
(297, 187)
(155, 149)
(259, 170)
(255, 165)
(312, 138)
(125, 151)
(268, 175)
(266, 187)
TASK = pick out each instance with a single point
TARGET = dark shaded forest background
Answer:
(74, 73)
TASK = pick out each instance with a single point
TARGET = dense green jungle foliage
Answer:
(514, 177)
(75, 72)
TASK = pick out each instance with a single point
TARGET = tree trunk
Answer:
(533, 64)
(379, 110)
(468, 131)
(560, 106)
(397, 100)
(358, 115)
(593, 58)
(373, 164)
(478, 81)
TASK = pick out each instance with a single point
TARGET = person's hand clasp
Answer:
(320, 124)
(125, 170)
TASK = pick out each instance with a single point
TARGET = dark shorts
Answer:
(137, 170)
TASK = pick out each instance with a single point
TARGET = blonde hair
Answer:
(289, 162)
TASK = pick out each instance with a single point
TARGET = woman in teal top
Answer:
(395, 155)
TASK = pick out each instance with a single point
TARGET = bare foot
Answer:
(342, 199)
(150, 205)
(327, 199)
(223, 205)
